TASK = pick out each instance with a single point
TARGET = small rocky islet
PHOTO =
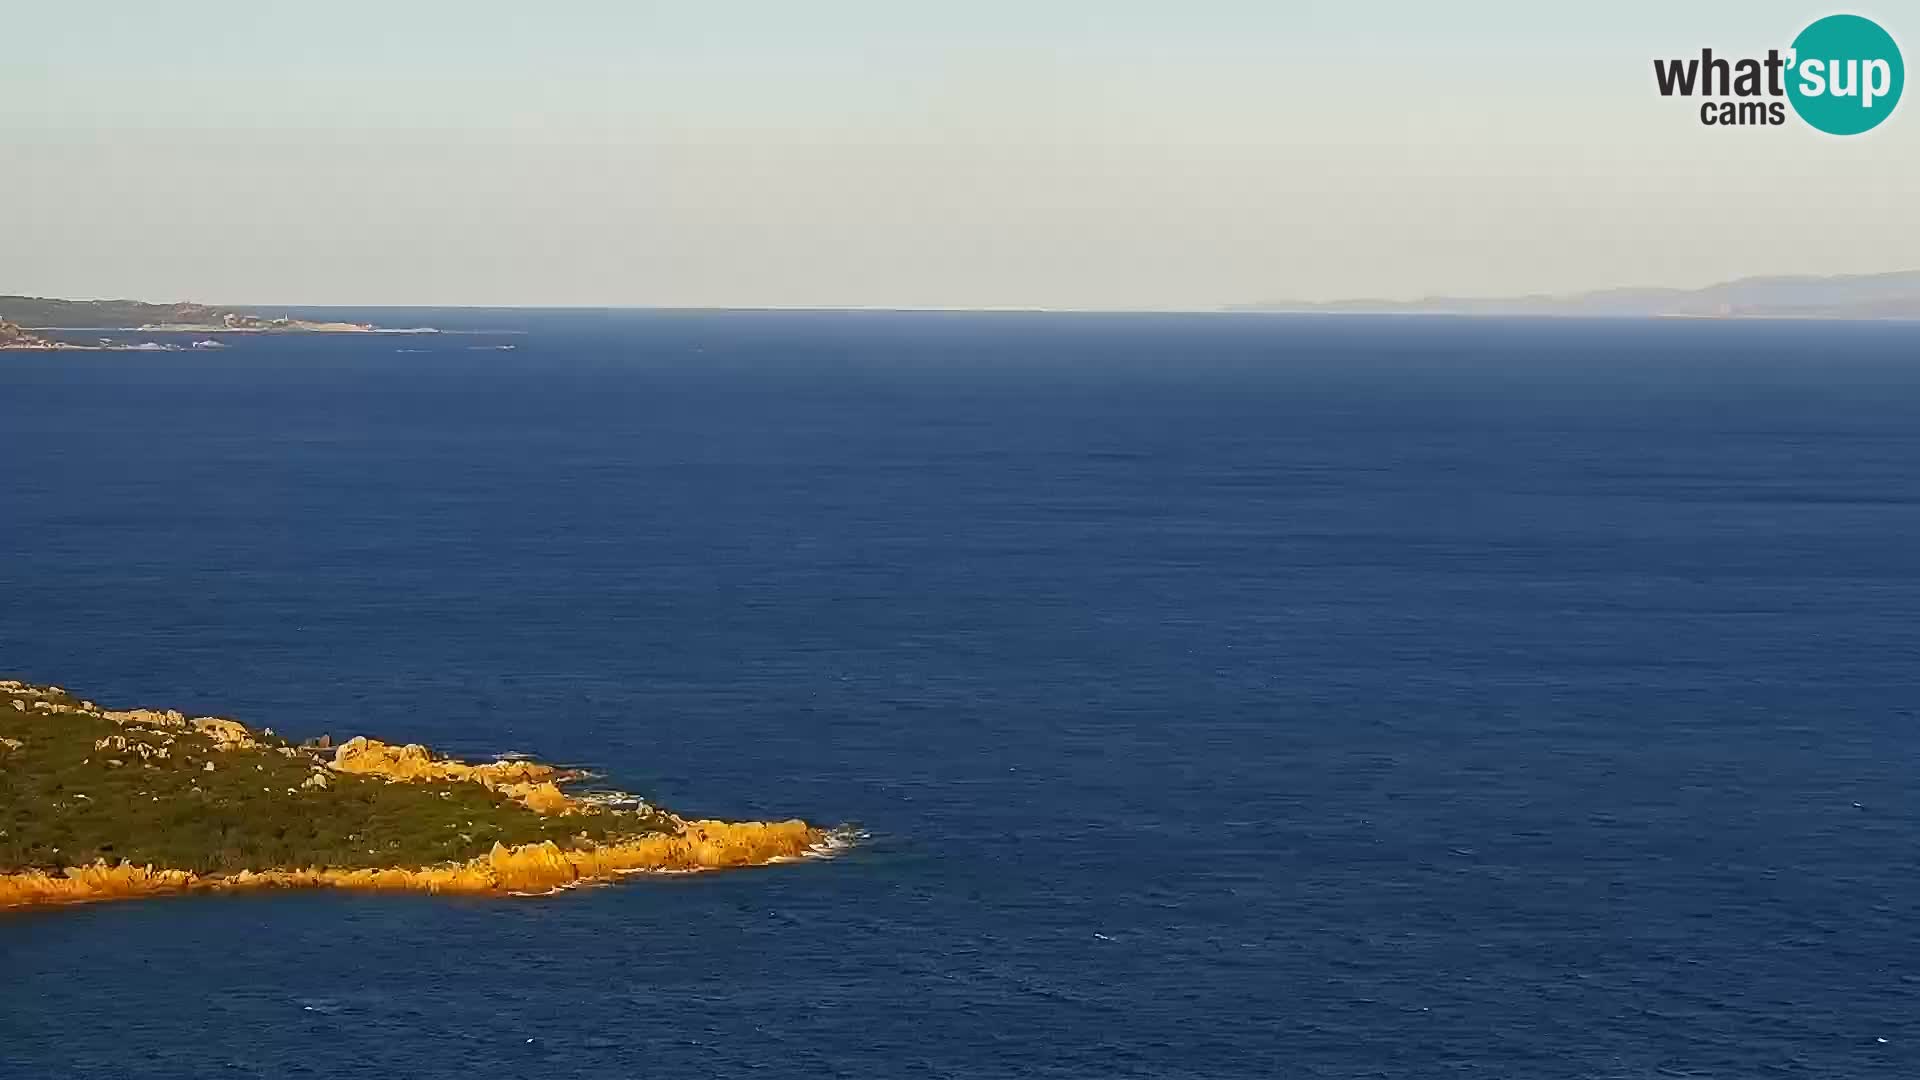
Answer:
(99, 803)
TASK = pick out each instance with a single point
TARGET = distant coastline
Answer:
(283, 326)
(27, 321)
(16, 338)
(1843, 297)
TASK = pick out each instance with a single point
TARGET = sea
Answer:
(1211, 696)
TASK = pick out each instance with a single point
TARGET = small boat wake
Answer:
(837, 841)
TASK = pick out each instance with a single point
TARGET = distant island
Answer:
(1856, 296)
(38, 313)
(99, 803)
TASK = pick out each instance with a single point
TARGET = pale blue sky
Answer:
(848, 153)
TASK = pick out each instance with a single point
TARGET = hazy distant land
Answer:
(26, 320)
(15, 337)
(1851, 296)
(31, 313)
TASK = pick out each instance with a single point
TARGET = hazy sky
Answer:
(983, 153)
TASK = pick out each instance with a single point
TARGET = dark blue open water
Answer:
(1225, 696)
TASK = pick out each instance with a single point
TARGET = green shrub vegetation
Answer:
(65, 801)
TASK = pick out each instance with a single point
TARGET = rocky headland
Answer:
(15, 336)
(99, 804)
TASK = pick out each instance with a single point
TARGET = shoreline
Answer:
(63, 346)
(63, 743)
(524, 871)
(313, 328)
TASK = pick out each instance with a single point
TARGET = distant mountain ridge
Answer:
(1852, 296)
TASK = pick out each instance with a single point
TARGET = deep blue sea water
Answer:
(1224, 696)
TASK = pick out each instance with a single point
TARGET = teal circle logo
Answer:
(1846, 75)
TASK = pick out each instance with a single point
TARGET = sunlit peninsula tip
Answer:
(99, 803)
